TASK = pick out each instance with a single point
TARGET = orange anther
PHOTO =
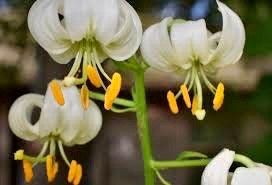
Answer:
(27, 166)
(57, 92)
(93, 76)
(84, 97)
(172, 102)
(186, 96)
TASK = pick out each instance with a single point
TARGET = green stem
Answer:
(118, 101)
(143, 126)
(163, 165)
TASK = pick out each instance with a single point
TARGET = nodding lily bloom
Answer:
(67, 118)
(217, 172)
(88, 31)
(188, 48)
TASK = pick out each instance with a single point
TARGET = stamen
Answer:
(108, 99)
(93, 76)
(84, 97)
(56, 91)
(112, 90)
(78, 175)
(172, 102)
(19, 155)
(194, 104)
(27, 166)
(72, 171)
(186, 96)
(51, 168)
(218, 97)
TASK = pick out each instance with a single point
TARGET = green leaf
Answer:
(191, 154)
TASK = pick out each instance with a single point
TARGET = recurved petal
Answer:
(106, 16)
(190, 40)
(216, 172)
(46, 28)
(232, 41)
(91, 124)
(251, 176)
(125, 42)
(78, 17)
(155, 45)
(20, 116)
(66, 56)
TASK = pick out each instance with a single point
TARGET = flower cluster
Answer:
(189, 48)
(89, 32)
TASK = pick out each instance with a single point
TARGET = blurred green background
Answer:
(244, 124)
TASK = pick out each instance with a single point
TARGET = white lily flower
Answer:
(89, 31)
(217, 172)
(179, 46)
(66, 117)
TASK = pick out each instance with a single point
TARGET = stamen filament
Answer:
(98, 64)
(42, 153)
(57, 92)
(207, 82)
(62, 153)
(52, 149)
(76, 64)
(28, 171)
(84, 97)
(172, 102)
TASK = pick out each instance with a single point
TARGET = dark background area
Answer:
(113, 158)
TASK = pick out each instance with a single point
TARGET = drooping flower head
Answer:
(217, 172)
(67, 118)
(188, 47)
(88, 31)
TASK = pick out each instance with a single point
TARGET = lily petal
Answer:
(190, 40)
(152, 47)
(232, 41)
(216, 172)
(77, 17)
(20, 116)
(72, 115)
(127, 39)
(46, 27)
(251, 176)
(106, 15)
(91, 124)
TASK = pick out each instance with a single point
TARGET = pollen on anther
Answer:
(27, 166)
(51, 168)
(186, 96)
(72, 171)
(218, 97)
(172, 102)
(93, 76)
(113, 90)
(78, 175)
(84, 97)
(57, 92)
(194, 104)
